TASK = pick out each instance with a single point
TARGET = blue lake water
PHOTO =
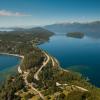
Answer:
(8, 65)
(82, 55)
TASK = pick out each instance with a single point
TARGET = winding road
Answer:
(36, 75)
(31, 85)
(25, 75)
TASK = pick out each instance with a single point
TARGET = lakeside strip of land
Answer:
(17, 55)
(26, 73)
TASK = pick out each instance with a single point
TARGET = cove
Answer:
(81, 55)
(8, 65)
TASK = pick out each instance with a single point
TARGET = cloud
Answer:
(10, 13)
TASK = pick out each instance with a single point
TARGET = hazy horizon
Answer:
(43, 12)
(30, 26)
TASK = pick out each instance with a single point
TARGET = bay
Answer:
(8, 65)
(81, 55)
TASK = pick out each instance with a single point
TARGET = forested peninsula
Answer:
(40, 75)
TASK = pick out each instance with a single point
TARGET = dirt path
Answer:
(25, 75)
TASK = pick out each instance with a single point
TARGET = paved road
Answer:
(81, 88)
(36, 75)
(53, 62)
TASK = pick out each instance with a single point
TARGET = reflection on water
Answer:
(81, 55)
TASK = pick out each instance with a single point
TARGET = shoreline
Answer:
(22, 57)
(60, 65)
(16, 55)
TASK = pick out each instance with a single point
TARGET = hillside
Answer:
(21, 34)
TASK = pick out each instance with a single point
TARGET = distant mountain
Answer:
(40, 32)
(90, 29)
(37, 32)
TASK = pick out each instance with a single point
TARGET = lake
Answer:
(8, 65)
(81, 55)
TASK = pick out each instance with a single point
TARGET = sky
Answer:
(44, 12)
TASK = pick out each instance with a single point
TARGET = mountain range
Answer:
(91, 29)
